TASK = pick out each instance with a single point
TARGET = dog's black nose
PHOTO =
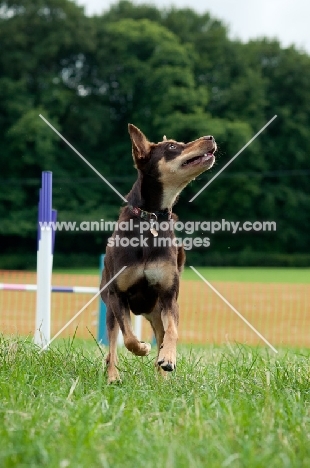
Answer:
(210, 137)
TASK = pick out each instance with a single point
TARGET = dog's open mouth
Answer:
(199, 159)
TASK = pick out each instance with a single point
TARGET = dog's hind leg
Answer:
(113, 329)
(170, 318)
(122, 313)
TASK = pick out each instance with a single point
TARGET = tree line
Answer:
(170, 72)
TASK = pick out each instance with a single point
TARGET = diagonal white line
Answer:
(234, 310)
(82, 157)
(236, 155)
(83, 308)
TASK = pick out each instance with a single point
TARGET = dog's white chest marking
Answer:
(161, 274)
(156, 273)
(154, 276)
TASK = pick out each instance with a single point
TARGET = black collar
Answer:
(167, 213)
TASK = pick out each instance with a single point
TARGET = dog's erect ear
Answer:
(141, 147)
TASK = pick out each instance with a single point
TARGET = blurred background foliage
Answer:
(172, 72)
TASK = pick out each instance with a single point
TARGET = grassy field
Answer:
(224, 407)
(248, 275)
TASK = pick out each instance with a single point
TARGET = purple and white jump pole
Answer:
(46, 238)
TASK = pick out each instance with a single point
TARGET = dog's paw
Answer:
(113, 377)
(115, 381)
(145, 348)
(139, 348)
(167, 359)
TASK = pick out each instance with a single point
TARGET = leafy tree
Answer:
(169, 71)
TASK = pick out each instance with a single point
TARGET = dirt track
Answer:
(280, 312)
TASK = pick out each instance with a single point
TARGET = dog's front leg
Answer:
(122, 313)
(111, 361)
(170, 318)
(157, 325)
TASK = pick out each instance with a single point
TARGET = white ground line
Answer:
(236, 155)
(234, 310)
(83, 308)
(82, 157)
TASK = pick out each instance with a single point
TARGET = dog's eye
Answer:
(172, 146)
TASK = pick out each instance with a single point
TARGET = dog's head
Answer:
(173, 163)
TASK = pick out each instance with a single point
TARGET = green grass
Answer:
(223, 407)
(248, 275)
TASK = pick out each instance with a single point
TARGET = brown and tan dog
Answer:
(150, 283)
